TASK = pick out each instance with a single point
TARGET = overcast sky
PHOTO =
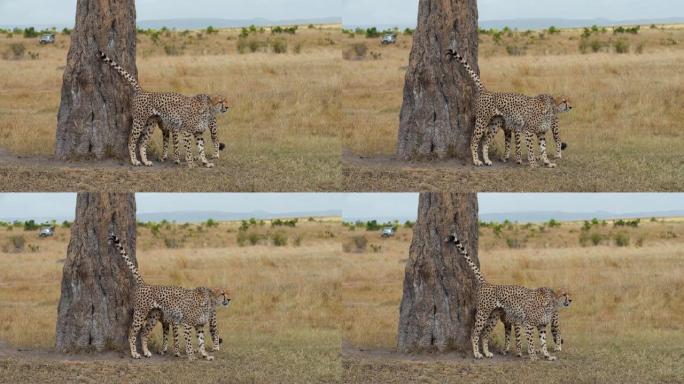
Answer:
(353, 205)
(62, 12)
(354, 12)
(404, 12)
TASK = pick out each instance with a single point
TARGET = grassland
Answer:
(624, 132)
(282, 133)
(624, 324)
(282, 325)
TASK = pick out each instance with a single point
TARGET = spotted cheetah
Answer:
(510, 134)
(500, 314)
(533, 115)
(190, 307)
(167, 134)
(530, 308)
(168, 326)
(187, 116)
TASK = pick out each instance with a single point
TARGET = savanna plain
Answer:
(282, 324)
(623, 133)
(282, 131)
(624, 324)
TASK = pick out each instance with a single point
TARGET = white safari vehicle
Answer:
(387, 232)
(389, 38)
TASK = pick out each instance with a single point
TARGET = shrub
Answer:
(171, 242)
(553, 30)
(15, 244)
(211, 30)
(514, 50)
(253, 238)
(372, 225)
(66, 31)
(621, 239)
(553, 223)
(513, 242)
(30, 225)
(279, 46)
(298, 240)
(596, 238)
(409, 224)
(621, 46)
(372, 33)
(15, 51)
(279, 239)
(356, 51)
(211, 223)
(409, 31)
(241, 238)
(248, 44)
(298, 48)
(357, 244)
(66, 224)
(30, 32)
(173, 49)
(376, 248)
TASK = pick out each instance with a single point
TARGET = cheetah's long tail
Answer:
(467, 67)
(122, 252)
(464, 253)
(122, 72)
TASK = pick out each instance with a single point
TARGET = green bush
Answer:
(621, 239)
(253, 238)
(372, 33)
(211, 30)
(553, 30)
(30, 32)
(30, 225)
(621, 46)
(279, 46)
(279, 239)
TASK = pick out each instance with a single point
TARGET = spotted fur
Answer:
(529, 308)
(192, 308)
(187, 116)
(531, 115)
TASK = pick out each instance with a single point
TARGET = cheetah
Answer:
(167, 134)
(531, 308)
(184, 115)
(190, 307)
(510, 135)
(500, 314)
(533, 115)
(167, 326)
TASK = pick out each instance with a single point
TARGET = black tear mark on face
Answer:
(221, 146)
(563, 146)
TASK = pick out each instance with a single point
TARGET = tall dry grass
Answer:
(282, 325)
(285, 109)
(627, 107)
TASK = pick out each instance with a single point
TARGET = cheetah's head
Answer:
(220, 296)
(562, 105)
(219, 103)
(563, 298)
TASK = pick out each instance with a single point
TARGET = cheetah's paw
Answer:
(478, 355)
(135, 355)
(209, 358)
(477, 163)
(488, 163)
(148, 163)
(488, 355)
(557, 348)
(208, 165)
(550, 358)
(550, 165)
(147, 354)
(135, 163)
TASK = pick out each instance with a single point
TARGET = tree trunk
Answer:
(95, 307)
(95, 114)
(438, 304)
(437, 116)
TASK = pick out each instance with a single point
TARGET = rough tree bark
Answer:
(438, 304)
(94, 114)
(437, 115)
(95, 307)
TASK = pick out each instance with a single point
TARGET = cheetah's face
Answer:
(219, 103)
(563, 298)
(220, 297)
(563, 105)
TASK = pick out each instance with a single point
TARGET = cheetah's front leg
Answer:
(200, 339)
(529, 137)
(542, 340)
(213, 329)
(213, 130)
(138, 320)
(187, 139)
(542, 148)
(189, 350)
(144, 142)
(555, 331)
(200, 150)
(133, 141)
(529, 332)
(556, 138)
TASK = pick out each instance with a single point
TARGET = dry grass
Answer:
(624, 324)
(281, 133)
(282, 326)
(623, 133)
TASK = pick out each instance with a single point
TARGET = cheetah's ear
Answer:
(216, 291)
(216, 99)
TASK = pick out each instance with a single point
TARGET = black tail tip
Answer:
(222, 146)
(113, 238)
(451, 239)
(563, 146)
